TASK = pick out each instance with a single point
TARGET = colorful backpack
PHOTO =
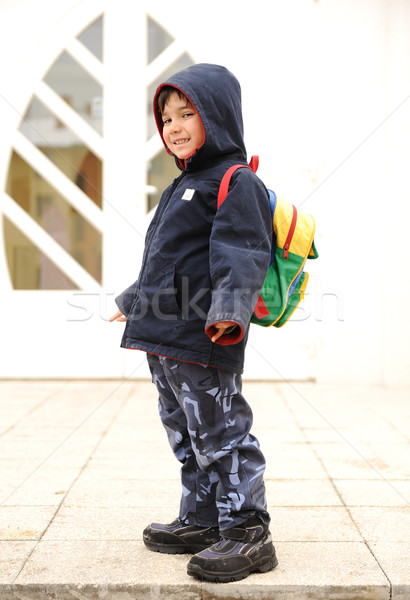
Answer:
(292, 243)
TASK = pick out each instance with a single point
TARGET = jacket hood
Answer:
(215, 94)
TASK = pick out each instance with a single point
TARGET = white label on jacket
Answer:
(188, 194)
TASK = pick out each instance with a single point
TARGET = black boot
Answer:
(241, 551)
(178, 538)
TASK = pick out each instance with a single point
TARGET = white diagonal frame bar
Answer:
(163, 61)
(69, 116)
(87, 60)
(43, 165)
(60, 257)
(153, 146)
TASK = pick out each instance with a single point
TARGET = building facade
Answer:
(325, 89)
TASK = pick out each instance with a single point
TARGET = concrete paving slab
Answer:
(162, 466)
(322, 406)
(311, 571)
(107, 569)
(17, 468)
(288, 524)
(382, 433)
(290, 461)
(383, 524)
(307, 524)
(137, 408)
(356, 435)
(325, 434)
(379, 492)
(402, 424)
(358, 420)
(42, 487)
(343, 461)
(394, 557)
(271, 412)
(14, 411)
(49, 433)
(305, 492)
(98, 492)
(60, 414)
(311, 407)
(392, 458)
(285, 433)
(131, 431)
(13, 556)
(267, 398)
(285, 450)
(80, 403)
(308, 417)
(100, 468)
(118, 444)
(127, 570)
(157, 466)
(284, 426)
(59, 443)
(101, 524)
(20, 523)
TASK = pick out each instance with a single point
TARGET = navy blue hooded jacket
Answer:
(202, 265)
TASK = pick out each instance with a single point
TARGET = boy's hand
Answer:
(118, 317)
(222, 328)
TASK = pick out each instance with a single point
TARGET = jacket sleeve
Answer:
(240, 248)
(125, 300)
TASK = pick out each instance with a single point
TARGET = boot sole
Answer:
(264, 567)
(174, 548)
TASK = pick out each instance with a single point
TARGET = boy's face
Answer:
(182, 131)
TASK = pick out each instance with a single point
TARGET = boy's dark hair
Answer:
(164, 95)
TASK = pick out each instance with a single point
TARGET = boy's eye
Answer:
(165, 121)
(188, 114)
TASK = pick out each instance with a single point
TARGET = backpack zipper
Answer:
(290, 234)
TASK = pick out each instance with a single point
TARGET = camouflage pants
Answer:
(208, 423)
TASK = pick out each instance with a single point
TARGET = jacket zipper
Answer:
(290, 234)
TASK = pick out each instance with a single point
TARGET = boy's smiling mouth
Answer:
(181, 141)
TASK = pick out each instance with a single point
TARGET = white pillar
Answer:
(394, 243)
(125, 110)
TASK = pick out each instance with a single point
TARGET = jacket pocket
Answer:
(165, 305)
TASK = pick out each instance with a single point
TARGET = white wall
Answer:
(320, 80)
(326, 106)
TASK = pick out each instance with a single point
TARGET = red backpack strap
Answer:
(254, 163)
(226, 179)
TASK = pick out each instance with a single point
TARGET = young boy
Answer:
(190, 309)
